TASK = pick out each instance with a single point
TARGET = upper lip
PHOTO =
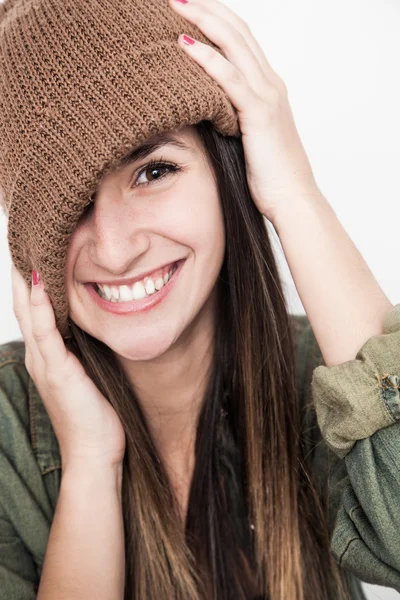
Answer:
(138, 277)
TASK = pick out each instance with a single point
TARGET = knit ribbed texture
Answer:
(83, 82)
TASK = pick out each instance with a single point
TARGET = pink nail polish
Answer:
(182, 1)
(35, 277)
(188, 40)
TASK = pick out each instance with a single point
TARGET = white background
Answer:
(340, 62)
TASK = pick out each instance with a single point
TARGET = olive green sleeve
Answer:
(358, 410)
(366, 536)
(355, 399)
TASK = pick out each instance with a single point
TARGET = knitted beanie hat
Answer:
(82, 83)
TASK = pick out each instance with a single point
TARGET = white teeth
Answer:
(110, 293)
(150, 287)
(159, 283)
(139, 290)
(125, 293)
(114, 293)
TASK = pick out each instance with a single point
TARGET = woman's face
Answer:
(143, 221)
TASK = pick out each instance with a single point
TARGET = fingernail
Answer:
(188, 40)
(182, 1)
(35, 277)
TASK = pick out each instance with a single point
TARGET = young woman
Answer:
(179, 409)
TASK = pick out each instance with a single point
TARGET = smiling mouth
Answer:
(144, 288)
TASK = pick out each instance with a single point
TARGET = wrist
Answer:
(92, 475)
(297, 209)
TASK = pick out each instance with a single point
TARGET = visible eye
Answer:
(156, 166)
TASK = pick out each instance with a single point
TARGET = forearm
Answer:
(343, 301)
(85, 555)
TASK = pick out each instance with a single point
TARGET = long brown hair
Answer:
(256, 526)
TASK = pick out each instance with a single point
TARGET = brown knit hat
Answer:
(83, 82)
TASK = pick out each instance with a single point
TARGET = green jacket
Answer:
(356, 465)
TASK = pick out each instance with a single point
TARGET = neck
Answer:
(171, 390)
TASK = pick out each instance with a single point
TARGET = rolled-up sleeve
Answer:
(355, 399)
(358, 410)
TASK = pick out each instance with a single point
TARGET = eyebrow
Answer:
(151, 146)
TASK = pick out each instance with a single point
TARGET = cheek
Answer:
(195, 219)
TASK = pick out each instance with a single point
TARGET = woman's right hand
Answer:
(87, 427)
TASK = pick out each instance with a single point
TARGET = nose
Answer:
(117, 241)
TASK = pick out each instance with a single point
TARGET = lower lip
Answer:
(123, 308)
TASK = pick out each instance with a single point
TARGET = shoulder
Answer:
(24, 422)
(12, 352)
(29, 461)
(14, 386)
(12, 362)
(14, 348)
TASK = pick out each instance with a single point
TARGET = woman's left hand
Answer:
(277, 167)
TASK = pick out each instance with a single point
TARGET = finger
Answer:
(45, 333)
(229, 39)
(229, 78)
(21, 303)
(22, 310)
(223, 11)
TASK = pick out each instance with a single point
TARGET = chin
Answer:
(139, 346)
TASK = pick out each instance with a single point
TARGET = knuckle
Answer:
(275, 97)
(37, 301)
(18, 314)
(212, 58)
(40, 334)
(234, 75)
(244, 25)
(239, 40)
(241, 24)
(18, 317)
